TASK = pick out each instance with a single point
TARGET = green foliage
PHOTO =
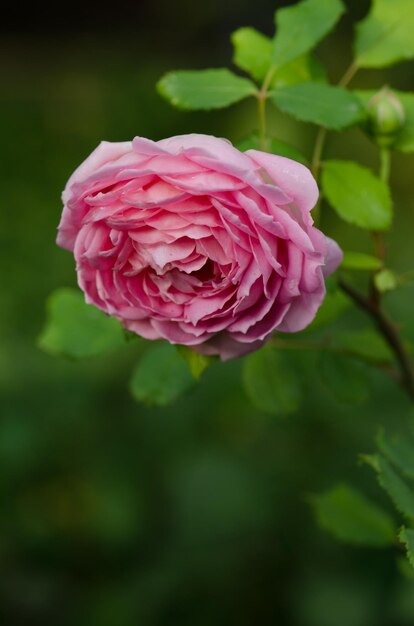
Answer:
(299, 28)
(270, 383)
(404, 141)
(344, 377)
(399, 451)
(360, 261)
(196, 362)
(397, 488)
(406, 536)
(357, 195)
(348, 515)
(394, 466)
(204, 89)
(325, 105)
(76, 329)
(161, 376)
(252, 52)
(304, 68)
(274, 147)
(385, 36)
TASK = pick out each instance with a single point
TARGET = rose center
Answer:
(207, 272)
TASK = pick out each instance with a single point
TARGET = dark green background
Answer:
(117, 515)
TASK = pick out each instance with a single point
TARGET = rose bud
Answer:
(190, 240)
(386, 117)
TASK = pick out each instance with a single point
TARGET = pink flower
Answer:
(189, 240)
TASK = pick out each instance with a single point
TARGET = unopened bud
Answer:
(386, 117)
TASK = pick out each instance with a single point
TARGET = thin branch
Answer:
(388, 330)
(349, 74)
(261, 108)
(322, 132)
(261, 104)
(317, 151)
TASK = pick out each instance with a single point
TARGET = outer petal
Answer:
(105, 152)
(302, 311)
(207, 147)
(333, 258)
(294, 178)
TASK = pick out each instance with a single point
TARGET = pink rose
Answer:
(188, 239)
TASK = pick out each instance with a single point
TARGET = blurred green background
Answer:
(113, 514)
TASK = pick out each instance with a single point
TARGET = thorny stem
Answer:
(372, 304)
(388, 330)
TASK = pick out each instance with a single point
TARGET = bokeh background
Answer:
(113, 514)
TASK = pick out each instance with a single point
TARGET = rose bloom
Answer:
(190, 240)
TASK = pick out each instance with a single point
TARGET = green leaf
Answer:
(405, 568)
(196, 362)
(398, 450)
(406, 537)
(303, 69)
(204, 89)
(405, 139)
(344, 377)
(366, 344)
(274, 147)
(400, 493)
(161, 376)
(76, 329)
(357, 195)
(300, 27)
(385, 280)
(360, 261)
(351, 517)
(252, 52)
(385, 36)
(325, 105)
(270, 383)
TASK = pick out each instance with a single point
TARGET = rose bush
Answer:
(190, 240)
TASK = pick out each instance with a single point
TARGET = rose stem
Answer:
(371, 305)
(261, 108)
(388, 330)
(322, 132)
(261, 105)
